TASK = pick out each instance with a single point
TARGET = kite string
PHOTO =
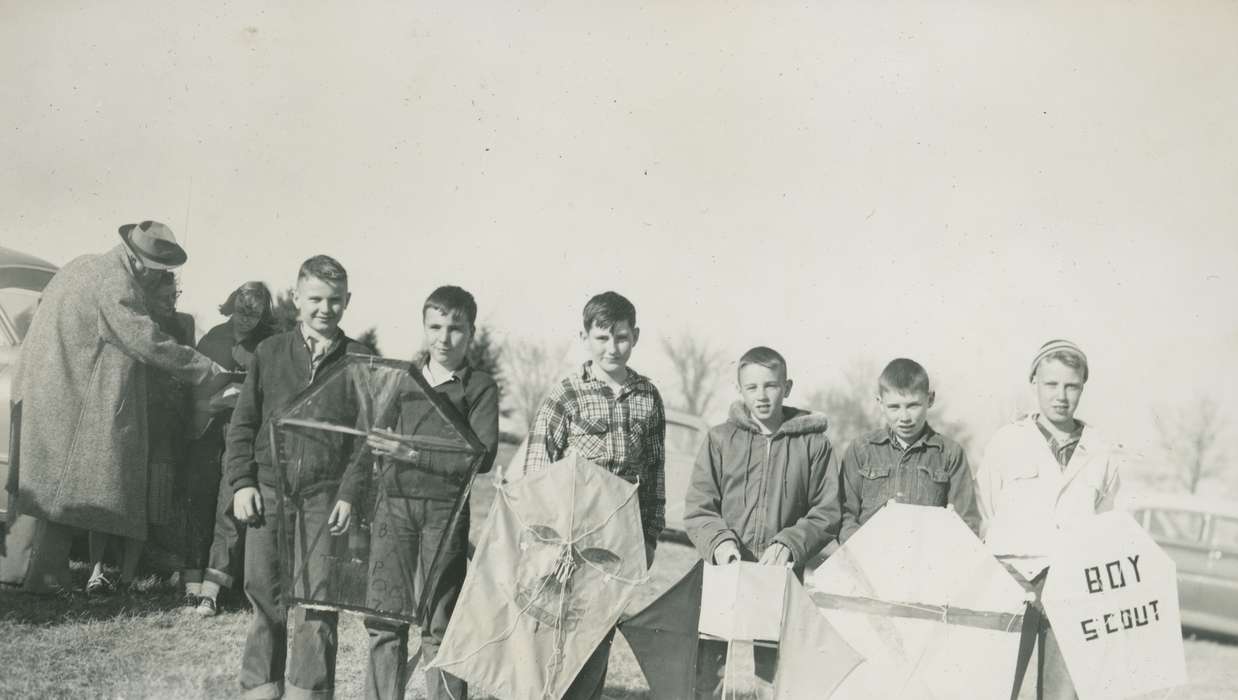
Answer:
(564, 576)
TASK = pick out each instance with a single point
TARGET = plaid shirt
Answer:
(1064, 450)
(624, 434)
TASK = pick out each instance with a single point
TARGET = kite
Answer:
(663, 637)
(930, 610)
(1112, 599)
(744, 602)
(558, 560)
(320, 445)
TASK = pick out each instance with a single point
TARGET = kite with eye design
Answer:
(558, 560)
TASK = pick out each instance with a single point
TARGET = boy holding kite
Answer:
(612, 416)
(765, 488)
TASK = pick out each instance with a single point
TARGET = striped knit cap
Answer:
(1054, 346)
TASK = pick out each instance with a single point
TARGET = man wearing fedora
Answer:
(81, 384)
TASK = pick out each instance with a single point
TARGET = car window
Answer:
(682, 438)
(1225, 534)
(17, 305)
(1176, 525)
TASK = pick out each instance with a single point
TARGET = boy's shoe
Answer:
(206, 607)
(100, 585)
(190, 602)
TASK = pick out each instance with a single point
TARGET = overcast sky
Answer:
(954, 182)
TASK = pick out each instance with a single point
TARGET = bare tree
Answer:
(850, 405)
(1191, 439)
(529, 371)
(696, 365)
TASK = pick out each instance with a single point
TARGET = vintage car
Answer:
(22, 279)
(684, 435)
(1201, 534)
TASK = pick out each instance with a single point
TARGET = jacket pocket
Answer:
(932, 486)
(587, 437)
(876, 486)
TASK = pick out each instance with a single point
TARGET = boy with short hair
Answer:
(905, 460)
(1040, 473)
(764, 488)
(418, 504)
(612, 416)
(283, 366)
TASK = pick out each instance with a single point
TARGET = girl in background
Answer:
(214, 555)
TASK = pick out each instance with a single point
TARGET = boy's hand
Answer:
(247, 505)
(381, 443)
(726, 552)
(341, 517)
(776, 555)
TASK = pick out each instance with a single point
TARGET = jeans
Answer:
(227, 548)
(404, 535)
(311, 659)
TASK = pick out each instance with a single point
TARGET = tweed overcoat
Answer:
(82, 382)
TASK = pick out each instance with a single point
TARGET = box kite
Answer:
(746, 603)
(928, 607)
(1112, 598)
(320, 443)
(558, 560)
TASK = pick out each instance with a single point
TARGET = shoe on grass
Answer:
(100, 584)
(190, 602)
(206, 607)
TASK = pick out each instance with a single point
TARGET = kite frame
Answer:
(446, 409)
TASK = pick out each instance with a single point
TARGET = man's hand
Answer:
(776, 555)
(380, 443)
(247, 505)
(726, 552)
(217, 379)
(341, 517)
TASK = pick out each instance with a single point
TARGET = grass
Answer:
(140, 645)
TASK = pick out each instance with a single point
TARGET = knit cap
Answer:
(1054, 346)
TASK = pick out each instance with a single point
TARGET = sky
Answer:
(847, 182)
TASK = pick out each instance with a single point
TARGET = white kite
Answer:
(559, 559)
(928, 607)
(1112, 598)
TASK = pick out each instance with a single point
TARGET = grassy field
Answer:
(139, 645)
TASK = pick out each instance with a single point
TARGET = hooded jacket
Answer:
(758, 489)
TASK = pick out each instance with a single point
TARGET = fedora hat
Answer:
(155, 244)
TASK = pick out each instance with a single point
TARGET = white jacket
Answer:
(1025, 496)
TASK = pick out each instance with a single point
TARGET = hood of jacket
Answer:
(795, 421)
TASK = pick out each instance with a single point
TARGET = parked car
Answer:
(1201, 535)
(684, 435)
(22, 279)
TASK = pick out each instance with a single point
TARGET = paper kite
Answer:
(924, 602)
(558, 560)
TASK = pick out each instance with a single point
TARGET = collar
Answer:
(794, 421)
(634, 377)
(928, 438)
(326, 345)
(436, 375)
